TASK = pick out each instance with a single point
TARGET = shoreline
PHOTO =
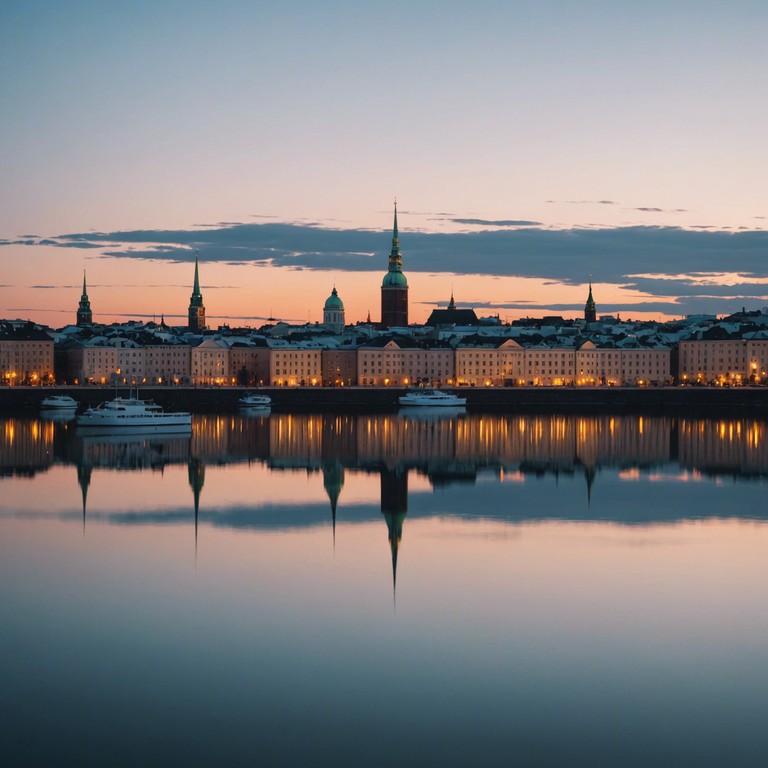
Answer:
(741, 401)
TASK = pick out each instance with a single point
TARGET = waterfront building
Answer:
(26, 354)
(489, 361)
(293, 366)
(209, 362)
(333, 313)
(339, 366)
(609, 365)
(84, 314)
(716, 358)
(91, 364)
(167, 363)
(400, 361)
(249, 363)
(394, 287)
(196, 310)
(549, 366)
(131, 362)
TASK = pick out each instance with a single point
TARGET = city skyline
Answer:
(540, 146)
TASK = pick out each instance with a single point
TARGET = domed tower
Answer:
(196, 311)
(84, 314)
(333, 312)
(590, 311)
(394, 287)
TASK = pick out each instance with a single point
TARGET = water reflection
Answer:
(445, 449)
(517, 630)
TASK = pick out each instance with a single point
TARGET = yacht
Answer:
(431, 398)
(60, 402)
(130, 412)
(252, 400)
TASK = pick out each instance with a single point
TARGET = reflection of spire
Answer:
(84, 481)
(196, 474)
(590, 473)
(333, 482)
(394, 507)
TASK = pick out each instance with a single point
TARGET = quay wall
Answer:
(738, 401)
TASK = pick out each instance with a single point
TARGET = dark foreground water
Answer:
(380, 590)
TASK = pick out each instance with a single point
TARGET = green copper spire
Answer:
(196, 295)
(395, 277)
(85, 291)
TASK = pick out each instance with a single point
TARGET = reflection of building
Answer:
(333, 482)
(394, 507)
(196, 474)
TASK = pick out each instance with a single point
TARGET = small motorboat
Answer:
(58, 402)
(252, 400)
(431, 398)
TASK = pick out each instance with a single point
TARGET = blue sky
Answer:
(634, 120)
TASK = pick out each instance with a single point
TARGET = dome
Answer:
(333, 302)
(394, 280)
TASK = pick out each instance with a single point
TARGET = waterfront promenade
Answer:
(746, 401)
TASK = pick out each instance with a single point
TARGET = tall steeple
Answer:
(84, 314)
(590, 311)
(394, 287)
(395, 257)
(196, 312)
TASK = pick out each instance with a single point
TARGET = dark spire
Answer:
(196, 311)
(590, 311)
(84, 481)
(196, 286)
(84, 314)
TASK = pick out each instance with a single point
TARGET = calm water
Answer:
(379, 590)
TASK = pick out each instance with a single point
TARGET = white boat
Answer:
(431, 398)
(60, 402)
(130, 412)
(252, 400)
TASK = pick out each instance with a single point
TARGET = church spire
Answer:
(84, 313)
(196, 286)
(395, 257)
(394, 286)
(590, 310)
(196, 311)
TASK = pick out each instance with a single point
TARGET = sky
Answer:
(530, 145)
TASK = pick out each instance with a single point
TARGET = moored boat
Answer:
(431, 398)
(252, 400)
(130, 412)
(58, 402)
